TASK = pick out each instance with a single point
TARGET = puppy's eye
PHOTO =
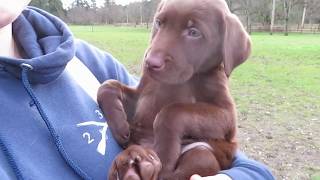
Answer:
(157, 24)
(194, 32)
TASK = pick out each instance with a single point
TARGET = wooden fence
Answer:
(307, 28)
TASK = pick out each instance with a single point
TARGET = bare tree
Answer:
(234, 5)
(53, 6)
(304, 13)
(288, 5)
(108, 11)
(272, 16)
(134, 13)
(141, 15)
(247, 8)
(149, 8)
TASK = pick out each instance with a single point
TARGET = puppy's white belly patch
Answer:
(188, 147)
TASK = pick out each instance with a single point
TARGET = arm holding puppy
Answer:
(242, 168)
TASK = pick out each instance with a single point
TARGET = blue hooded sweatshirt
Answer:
(50, 125)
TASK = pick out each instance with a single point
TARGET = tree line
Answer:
(256, 15)
(270, 15)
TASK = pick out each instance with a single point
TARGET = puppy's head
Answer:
(194, 36)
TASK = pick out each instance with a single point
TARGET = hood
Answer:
(47, 45)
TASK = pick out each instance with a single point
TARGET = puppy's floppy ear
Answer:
(159, 7)
(237, 44)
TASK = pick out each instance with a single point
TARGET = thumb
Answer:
(195, 177)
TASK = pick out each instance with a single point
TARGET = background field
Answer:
(277, 92)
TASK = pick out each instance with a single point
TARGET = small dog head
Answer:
(135, 163)
(194, 36)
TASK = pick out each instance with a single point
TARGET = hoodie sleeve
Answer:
(102, 64)
(245, 168)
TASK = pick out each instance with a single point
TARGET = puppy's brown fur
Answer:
(183, 96)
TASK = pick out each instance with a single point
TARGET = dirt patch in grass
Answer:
(290, 148)
(279, 126)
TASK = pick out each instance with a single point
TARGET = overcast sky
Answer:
(66, 3)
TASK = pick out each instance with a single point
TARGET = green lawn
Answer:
(316, 177)
(282, 67)
(277, 92)
(125, 43)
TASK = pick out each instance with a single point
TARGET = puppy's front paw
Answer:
(135, 163)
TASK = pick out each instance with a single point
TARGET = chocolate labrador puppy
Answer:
(181, 119)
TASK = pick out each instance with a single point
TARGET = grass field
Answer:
(277, 92)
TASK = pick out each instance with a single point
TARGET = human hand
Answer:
(216, 177)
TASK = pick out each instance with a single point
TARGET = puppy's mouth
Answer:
(170, 74)
(155, 73)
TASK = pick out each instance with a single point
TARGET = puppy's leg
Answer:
(117, 102)
(199, 160)
(198, 121)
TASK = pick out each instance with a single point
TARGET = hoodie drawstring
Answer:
(10, 157)
(57, 140)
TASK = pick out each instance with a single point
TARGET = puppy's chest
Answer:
(151, 103)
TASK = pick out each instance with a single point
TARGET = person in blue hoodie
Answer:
(50, 124)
